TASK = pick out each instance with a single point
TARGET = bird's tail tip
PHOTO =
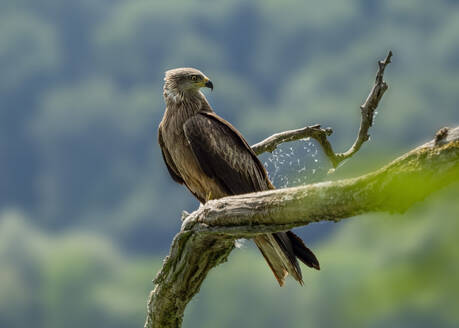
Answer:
(281, 251)
(302, 252)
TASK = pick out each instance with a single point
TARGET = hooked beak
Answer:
(209, 84)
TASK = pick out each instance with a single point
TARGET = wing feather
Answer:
(224, 155)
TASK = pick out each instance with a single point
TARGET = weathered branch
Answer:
(207, 235)
(367, 111)
(314, 131)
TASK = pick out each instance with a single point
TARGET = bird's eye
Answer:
(194, 77)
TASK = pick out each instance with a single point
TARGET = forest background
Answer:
(88, 210)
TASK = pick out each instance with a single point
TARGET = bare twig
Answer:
(207, 235)
(368, 110)
(321, 135)
(270, 144)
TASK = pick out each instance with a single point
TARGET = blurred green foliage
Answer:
(87, 208)
(377, 271)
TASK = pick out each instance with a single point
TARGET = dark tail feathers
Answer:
(281, 251)
(302, 252)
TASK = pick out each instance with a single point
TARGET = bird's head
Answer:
(184, 80)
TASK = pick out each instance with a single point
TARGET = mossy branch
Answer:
(207, 235)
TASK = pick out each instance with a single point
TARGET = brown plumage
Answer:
(212, 159)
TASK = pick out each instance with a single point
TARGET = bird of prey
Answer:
(211, 158)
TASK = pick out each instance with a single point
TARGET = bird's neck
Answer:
(172, 94)
(190, 101)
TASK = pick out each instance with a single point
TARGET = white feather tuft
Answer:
(240, 243)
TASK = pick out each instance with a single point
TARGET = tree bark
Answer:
(207, 235)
